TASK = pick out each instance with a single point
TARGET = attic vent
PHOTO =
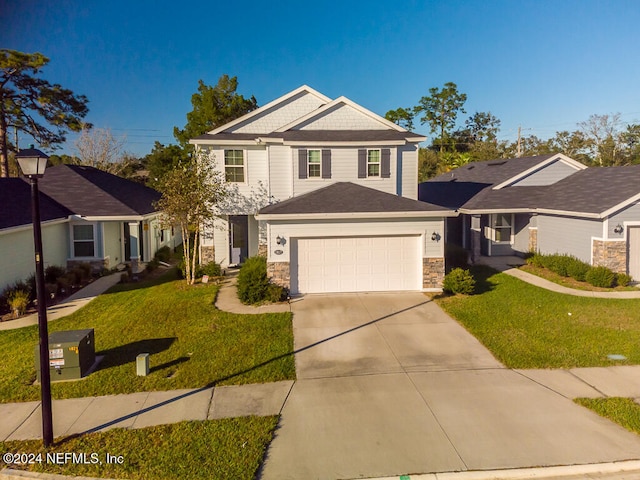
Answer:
(492, 164)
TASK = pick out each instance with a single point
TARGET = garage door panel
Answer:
(355, 264)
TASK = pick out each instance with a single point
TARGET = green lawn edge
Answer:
(231, 448)
(623, 411)
(525, 326)
(191, 343)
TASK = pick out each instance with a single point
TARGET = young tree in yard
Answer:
(190, 193)
(441, 109)
(212, 107)
(33, 105)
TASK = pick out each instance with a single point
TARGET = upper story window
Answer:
(83, 241)
(314, 163)
(234, 166)
(373, 163)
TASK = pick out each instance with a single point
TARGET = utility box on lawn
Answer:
(71, 354)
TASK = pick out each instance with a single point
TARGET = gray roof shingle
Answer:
(347, 197)
(15, 198)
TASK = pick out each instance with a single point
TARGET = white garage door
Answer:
(356, 264)
(634, 252)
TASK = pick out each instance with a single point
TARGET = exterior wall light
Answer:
(280, 240)
(435, 236)
(618, 229)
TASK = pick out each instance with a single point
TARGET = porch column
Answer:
(134, 234)
(476, 238)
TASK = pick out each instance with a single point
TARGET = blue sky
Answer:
(544, 65)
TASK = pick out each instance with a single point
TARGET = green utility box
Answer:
(71, 354)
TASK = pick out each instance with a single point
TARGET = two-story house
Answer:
(327, 191)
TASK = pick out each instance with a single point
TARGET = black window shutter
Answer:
(326, 163)
(302, 164)
(385, 168)
(362, 163)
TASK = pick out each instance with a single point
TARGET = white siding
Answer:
(547, 175)
(344, 168)
(521, 232)
(630, 214)
(408, 172)
(567, 235)
(358, 227)
(280, 115)
(17, 260)
(341, 117)
(280, 172)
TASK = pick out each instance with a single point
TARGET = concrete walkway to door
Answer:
(389, 385)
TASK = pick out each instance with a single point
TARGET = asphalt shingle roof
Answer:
(592, 190)
(347, 197)
(15, 198)
(88, 191)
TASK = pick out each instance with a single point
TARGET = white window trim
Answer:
(379, 163)
(245, 172)
(494, 219)
(94, 226)
(318, 177)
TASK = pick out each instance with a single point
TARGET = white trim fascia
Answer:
(539, 166)
(270, 105)
(239, 142)
(621, 205)
(467, 211)
(344, 100)
(29, 226)
(340, 216)
(390, 143)
(550, 211)
(102, 218)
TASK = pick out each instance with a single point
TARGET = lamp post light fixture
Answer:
(33, 163)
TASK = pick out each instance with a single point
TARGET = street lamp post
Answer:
(33, 163)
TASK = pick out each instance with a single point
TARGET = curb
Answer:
(625, 468)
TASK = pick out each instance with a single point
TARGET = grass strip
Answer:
(191, 343)
(525, 326)
(623, 411)
(231, 448)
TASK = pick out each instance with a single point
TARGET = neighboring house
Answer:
(87, 216)
(549, 204)
(327, 191)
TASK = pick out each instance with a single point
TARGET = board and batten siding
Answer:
(407, 171)
(344, 168)
(281, 172)
(567, 235)
(630, 214)
(288, 229)
(17, 261)
(548, 175)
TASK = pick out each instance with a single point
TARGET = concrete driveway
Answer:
(389, 385)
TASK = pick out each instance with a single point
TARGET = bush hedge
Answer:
(459, 281)
(254, 286)
(601, 277)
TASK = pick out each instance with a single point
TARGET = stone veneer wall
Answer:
(207, 254)
(96, 265)
(612, 255)
(533, 239)
(279, 273)
(262, 250)
(432, 272)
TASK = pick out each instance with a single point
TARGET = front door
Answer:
(239, 238)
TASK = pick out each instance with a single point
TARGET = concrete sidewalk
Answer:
(69, 305)
(228, 301)
(23, 421)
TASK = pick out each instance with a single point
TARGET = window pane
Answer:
(373, 170)
(314, 170)
(83, 232)
(314, 156)
(233, 157)
(234, 174)
(83, 249)
(373, 156)
(503, 234)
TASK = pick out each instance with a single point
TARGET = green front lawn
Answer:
(528, 327)
(191, 343)
(623, 411)
(230, 448)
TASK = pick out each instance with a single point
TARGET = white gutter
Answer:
(339, 216)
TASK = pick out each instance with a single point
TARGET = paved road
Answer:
(388, 385)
